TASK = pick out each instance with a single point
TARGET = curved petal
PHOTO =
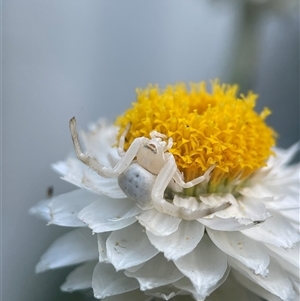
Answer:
(102, 238)
(284, 156)
(64, 208)
(276, 231)
(41, 210)
(106, 186)
(76, 246)
(288, 259)
(247, 251)
(109, 214)
(135, 295)
(290, 255)
(129, 247)
(225, 224)
(156, 272)
(254, 287)
(99, 141)
(158, 223)
(276, 282)
(239, 215)
(77, 173)
(231, 290)
(80, 278)
(107, 282)
(187, 286)
(205, 266)
(167, 292)
(180, 242)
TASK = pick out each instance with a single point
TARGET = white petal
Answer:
(288, 259)
(156, 272)
(254, 209)
(204, 266)
(284, 156)
(41, 210)
(99, 141)
(74, 247)
(129, 247)
(167, 292)
(187, 286)
(102, 238)
(158, 223)
(109, 214)
(287, 206)
(243, 249)
(224, 224)
(106, 186)
(107, 282)
(276, 230)
(64, 208)
(80, 175)
(180, 242)
(231, 290)
(290, 255)
(80, 278)
(239, 215)
(254, 287)
(136, 295)
(276, 282)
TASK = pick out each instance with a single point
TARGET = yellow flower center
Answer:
(207, 128)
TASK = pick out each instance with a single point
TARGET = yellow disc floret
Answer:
(207, 128)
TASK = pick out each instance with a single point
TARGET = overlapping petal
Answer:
(180, 242)
(129, 247)
(159, 223)
(241, 214)
(276, 230)
(64, 208)
(109, 214)
(76, 246)
(75, 172)
(239, 246)
(156, 272)
(277, 282)
(108, 282)
(204, 266)
(80, 278)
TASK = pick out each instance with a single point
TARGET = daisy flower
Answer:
(187, 197)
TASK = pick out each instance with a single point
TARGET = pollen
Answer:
(207, 127)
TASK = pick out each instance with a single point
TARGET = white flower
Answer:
(136, 253)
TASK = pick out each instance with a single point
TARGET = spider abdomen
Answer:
(137, 183)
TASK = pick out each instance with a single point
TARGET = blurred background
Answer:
(85, 59)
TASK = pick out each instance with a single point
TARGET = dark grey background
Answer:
(68, 57)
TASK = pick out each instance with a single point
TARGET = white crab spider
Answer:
(144, 172)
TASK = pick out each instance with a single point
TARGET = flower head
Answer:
(207, 128)
(195, 192)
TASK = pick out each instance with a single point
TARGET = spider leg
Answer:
(170, 144)
(160, 204)
(155, 134)
(162, 180)
(122, 140)
(95, 165)
(178, 178)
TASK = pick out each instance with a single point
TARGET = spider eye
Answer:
(151, 147)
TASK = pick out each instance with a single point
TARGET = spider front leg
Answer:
(121, 151)
(178, 178)
(160, 204)
(102, 170)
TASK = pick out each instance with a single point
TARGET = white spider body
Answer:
(144, 172)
